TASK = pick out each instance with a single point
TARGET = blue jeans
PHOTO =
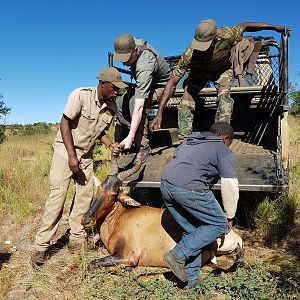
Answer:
(201, 218)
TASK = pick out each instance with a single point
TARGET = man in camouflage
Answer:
(207, 58)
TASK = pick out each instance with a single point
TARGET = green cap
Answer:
(204, 34)
(112, 75)
(123, 44)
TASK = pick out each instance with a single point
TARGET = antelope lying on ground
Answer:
(137, 235)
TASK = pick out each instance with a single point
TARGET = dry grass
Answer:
(294, 158)
(24, 168)
(24, 188)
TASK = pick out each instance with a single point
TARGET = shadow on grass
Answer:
(288, 269)
(60, 244)
(4, 258)
(217, 270)
(292, 242)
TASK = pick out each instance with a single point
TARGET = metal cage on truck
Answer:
(259, 120)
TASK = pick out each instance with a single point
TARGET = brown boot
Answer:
(38, 258)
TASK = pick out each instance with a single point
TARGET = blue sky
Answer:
(50, 47)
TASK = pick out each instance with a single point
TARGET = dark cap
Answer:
(112, 75)
(123, 44)
(204, 35)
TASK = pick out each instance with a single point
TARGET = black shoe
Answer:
(176, 264)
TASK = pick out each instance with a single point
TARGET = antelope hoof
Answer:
(94, 264)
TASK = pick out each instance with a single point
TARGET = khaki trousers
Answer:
(60, 176)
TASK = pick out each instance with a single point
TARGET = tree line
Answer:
(43, 127)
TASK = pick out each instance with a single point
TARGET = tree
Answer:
(4, 110)
(295, 97)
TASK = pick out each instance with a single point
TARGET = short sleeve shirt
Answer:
(209, 62)
(87, 121)
(151, 70)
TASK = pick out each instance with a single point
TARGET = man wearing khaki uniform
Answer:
(88, 113)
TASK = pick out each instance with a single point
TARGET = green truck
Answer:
(259, 121)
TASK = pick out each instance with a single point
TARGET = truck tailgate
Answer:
(256, 168)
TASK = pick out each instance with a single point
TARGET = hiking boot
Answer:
(143, 154)
(176, 264)
(38, 258)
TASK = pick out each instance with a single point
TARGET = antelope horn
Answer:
(112, 182)
(113, 165)
(125, 174)
(114, 179)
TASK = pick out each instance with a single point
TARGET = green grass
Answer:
(250, 282)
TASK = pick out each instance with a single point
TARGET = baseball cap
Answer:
(123, 44)
(204, 35)
(112, 75)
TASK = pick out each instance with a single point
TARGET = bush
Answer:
(2, 133)
(295, 100)
(4, 110)
(276, 218)
(31, 129)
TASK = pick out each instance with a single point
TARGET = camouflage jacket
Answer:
(217, 58)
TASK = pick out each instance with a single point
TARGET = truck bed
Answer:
(258, 176)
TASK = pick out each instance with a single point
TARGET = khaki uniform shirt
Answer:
(209, 62)
(87, 121)
(151, 71)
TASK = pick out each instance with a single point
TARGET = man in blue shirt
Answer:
(198, 162)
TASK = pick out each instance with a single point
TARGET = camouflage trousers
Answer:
(195, 83)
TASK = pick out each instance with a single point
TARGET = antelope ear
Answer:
(124, 199)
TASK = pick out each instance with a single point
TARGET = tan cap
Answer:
(112, 75)
(123, 44)
(204, 35)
